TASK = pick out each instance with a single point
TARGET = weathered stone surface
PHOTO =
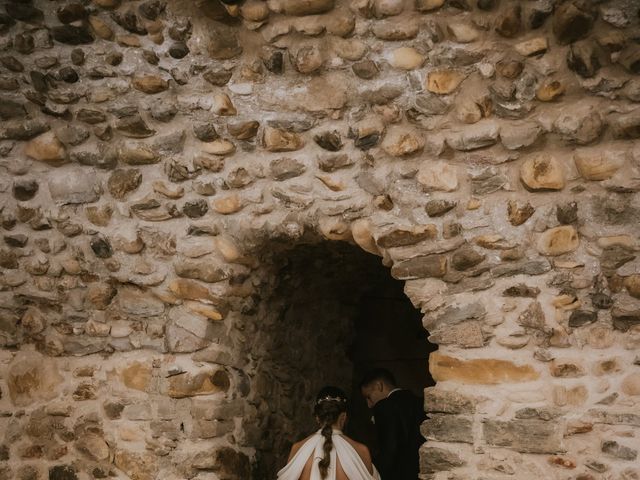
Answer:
(482, 134)
(198, 271)
(435, 459)
(526, 436)
(599, 164)
(141, 466)
(559, 240)
(276, 140)
(519, 213)
(46, 148)
(33, 377)
(73, 187)
(124, 181)
(631, 384)
(479, 371)
(444, 82)
(438, 176)
(466, 258)
(542, 172)
(306, 7)
(400, 142)
(448, 428)
(572, 21)
(226, 462)
(406, 236)
(203, 383)
(445, 401)
(406, 58)
(420, 267)
(617, 450)
(581, 127)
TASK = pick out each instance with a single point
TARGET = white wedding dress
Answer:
(349, 459)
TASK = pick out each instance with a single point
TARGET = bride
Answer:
(328, 454)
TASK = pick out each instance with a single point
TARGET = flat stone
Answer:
(401, 142)
(73, 187)
(580, 127)
(444, 82)
(525, 436)
(307, 7)
(567, 213)
(509, 22)
(616, 450)
(197, 270)
(631, 385)
(420, 267)
(228, 204)
(448, 428)
(286, 168)
(558, 241)
(566, 369)
(521, 290)
(222, 105)
(519, 213)
(519, 136)
(437, 176)
(626, 126)
(435, 459)
(138, 303)
(243, 130)
(572, 21)
(396, 29)
(534, 46)
(225, 461)
(466, 258)
(542, 172)
(428, 5)
(437, 208)
(453, 315)
(25, 189)
(479, 371)
(134, 127)
(583, 59)
(462, 335)
(437, 400)
(121, 182)
(308, 59)
(71, 34)
(277, 140)
(137, 154)
(406, 58)
(550, 90)
(203, 383)
(404, 236)
(141, 466)
(46, 148)
(365, 69)
(462, 32)
(480, 135)
(32, 377)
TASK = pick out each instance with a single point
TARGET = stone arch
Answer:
(288, 391)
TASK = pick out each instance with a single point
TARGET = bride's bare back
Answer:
(361, 450)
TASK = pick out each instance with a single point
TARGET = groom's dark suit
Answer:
(397, 420)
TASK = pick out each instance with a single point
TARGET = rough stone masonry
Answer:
(152, 152)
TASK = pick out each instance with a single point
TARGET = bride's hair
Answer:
(330, 403)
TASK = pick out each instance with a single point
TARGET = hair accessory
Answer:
(330, 399)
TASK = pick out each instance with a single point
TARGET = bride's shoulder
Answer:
(297, 446)
(361, 448)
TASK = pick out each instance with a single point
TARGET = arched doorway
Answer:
(327, 312)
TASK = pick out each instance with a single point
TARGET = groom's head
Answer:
(376, 385)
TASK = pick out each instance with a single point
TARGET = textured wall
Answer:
(153, 155)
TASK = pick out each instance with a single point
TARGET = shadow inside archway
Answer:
(328, 312)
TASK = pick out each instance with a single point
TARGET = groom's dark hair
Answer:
(378, 374)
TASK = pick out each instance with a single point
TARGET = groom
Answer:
(397, 414)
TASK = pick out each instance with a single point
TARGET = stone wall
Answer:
(153, 155)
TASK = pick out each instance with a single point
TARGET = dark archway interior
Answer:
(329, 313)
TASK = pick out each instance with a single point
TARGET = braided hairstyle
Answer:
(330, 403)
